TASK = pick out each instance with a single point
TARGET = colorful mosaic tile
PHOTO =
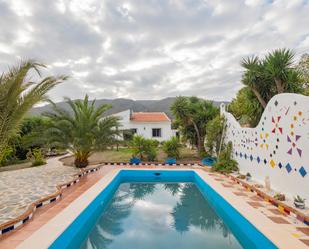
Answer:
(302, 171)
(272, 163)
(288, 168)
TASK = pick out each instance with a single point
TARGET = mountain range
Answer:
(121, 104)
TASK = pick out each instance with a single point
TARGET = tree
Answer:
(192, 114)
(264, 78)
(279, 67)
(84, 130)
(246, 107)
(18, 94)
(255, 79)
(303, 69)
(214, 135)
(271, 75)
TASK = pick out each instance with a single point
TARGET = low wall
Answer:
(278, 147)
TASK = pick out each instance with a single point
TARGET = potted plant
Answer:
(241, 176)
(279, 196)
(135, 160)
(299, 202)
(248, 176)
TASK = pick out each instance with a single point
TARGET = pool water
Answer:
(157, 216)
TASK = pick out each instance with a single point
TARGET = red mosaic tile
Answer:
(240, 193)
(255, 204)
(306, 241)
(219, 179)
(278, 220)
(304, 230)
(256, 198)
(276, 211)
(227, 185)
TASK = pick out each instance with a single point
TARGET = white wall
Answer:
(145, 128)
(278, 147)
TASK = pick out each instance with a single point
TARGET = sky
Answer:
(148, 49)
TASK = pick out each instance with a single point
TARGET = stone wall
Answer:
(278, 147)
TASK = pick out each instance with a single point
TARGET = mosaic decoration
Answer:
(278, 147)
(277, 128)
(293, 142)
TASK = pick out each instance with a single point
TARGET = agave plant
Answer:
(18, 94)
(83, 130)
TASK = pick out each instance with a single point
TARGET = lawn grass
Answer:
(124, 155)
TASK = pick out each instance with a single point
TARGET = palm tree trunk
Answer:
(259, 97)
(81, 159)
(199, 142)
(279, 85)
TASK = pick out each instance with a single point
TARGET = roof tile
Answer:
(149, 117)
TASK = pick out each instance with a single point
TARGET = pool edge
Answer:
(47, 234)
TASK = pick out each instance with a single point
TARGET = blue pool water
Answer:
(160, 209)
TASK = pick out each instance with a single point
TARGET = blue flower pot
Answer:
(135, 160)
(170, 161)
(209, 161)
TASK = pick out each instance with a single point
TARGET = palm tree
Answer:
(18, 94)
(191, 116)
(272, 75)
(278, 65)
(83, 130)
(254, 78)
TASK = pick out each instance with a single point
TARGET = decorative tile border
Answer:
(152, 164)
(22, 219)
(282, 207)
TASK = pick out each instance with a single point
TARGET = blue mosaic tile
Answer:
(258, 159)
(236, 153)
(280, 165)
(251, 158)
(288, 168)
(240, 155)
(245, 156)
(302, 171)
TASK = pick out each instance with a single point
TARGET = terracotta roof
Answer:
(149, 117)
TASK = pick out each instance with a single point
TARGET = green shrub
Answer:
(172, 147)
(225, 164)
(144, 148)
(36, 157)
(7, 154)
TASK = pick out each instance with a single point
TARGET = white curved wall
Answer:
(278, 147)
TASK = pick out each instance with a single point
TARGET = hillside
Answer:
(119, 105)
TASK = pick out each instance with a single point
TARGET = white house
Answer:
(155, 125)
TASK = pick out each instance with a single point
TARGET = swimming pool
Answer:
(160, 209)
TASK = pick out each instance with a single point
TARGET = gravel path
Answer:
(19, 188)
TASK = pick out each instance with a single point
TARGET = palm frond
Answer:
(18, 95)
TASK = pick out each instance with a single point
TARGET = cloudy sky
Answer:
(149, 49)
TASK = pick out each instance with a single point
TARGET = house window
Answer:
(134, 131)
(156, 132)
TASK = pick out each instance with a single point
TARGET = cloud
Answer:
(149, 49)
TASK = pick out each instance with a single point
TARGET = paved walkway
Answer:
(19, 188)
